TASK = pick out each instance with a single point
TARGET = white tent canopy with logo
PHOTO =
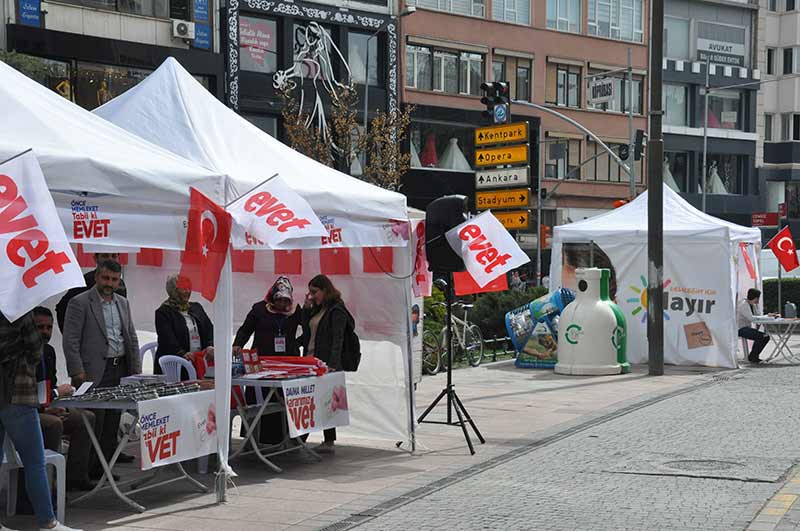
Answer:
(708, 265)
(171, 109)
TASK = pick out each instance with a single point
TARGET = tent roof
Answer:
(171, 109)
(79, 151)
(680, 219)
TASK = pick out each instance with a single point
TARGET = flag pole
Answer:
(16, 156)
(265, 181)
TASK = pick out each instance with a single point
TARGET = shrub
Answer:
(490, 309)
(790, 291)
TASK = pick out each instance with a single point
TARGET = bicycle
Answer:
(431, 352)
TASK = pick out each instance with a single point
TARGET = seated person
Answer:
(58, 421)
(275, 321)
(745, 313)
(183, 327)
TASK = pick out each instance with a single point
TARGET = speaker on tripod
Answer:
(442, 215)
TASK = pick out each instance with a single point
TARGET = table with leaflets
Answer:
(780, 330)
(308, 397)
(176, 421)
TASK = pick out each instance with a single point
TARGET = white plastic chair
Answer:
(145, 349)
(171, 367)
(12, 463)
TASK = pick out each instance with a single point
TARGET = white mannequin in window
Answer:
(717, 186)
(453, 158)
(669, 180)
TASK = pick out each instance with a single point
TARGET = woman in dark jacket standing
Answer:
(182, 326)
(325, 320)
(275, 321)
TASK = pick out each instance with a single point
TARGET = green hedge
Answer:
(790, 291)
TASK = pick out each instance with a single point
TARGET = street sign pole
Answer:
(539, 228)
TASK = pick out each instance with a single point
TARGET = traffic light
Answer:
(545, 233)
(497, 101)
(639, 144)
(624, 151)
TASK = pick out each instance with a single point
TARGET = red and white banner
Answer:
(782, 244)
(487, 248)
(315, 404)
(273, 213)
(38, 261)
(177, 428)
(207, 238)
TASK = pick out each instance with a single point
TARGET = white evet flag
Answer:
(487, 248)
(36, 261)
(270, 214)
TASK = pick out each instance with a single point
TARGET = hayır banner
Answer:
(177, 428)
(315, 404)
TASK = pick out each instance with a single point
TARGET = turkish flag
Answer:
(782, 245)
(84, 259)
(243, 261)
(378, 259)
(150, 257)
(334, 261)
(289, 262)
(207, 238)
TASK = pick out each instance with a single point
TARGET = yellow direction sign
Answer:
(502, 155)
(513, 219)
(513, 198)
(501, 134)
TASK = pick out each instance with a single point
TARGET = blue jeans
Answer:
(22, 425)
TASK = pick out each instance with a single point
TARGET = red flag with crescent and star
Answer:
(208, 235)
(782, 244)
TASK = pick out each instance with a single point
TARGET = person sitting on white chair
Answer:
(745, 313)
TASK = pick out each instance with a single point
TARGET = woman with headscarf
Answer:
(275, 322)
(183, 327)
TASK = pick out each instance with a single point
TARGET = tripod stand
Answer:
(453, 402)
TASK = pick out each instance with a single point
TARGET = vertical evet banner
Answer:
(315, 404)
(177, 428)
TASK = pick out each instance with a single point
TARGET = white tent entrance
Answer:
(708, 264)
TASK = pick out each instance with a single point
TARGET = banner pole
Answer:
(16, 156)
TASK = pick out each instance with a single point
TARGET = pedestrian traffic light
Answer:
(639, 144)
(624, 151)
(497, 101)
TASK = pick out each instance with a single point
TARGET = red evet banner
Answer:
(464, 284)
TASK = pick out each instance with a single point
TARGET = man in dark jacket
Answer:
(89, 278)
(56, 422)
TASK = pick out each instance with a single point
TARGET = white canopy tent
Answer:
(708, 264)
(171, 109)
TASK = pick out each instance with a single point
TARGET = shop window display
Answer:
(724, 110)
(724, 174)
(258, 44)
(99, 84)
(442, 146)
(675, 170)
(55, 75)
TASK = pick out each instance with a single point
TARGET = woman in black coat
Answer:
(183, 327)
(325, 321)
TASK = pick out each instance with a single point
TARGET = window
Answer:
(445, 72)
(310, 69)
(419, 70)
(786, 126)
(724, 174)
(258, 44)
(771, 61)
(620, 95)
(616, 19)
(148, 8)
(357, 44)
(523, 81)
(676, 38)
(604, 168)
(268, 124)
(724, 110)
(564, 15)
(475, 8)
(767, 128)
(789, 5)
(563, 159)
(514, 11)
(675, 105)
(471, 69)
(55, 75)
(721, 43)
(97, 84)
(563, 85)
(440, 145)
(773, 5)
(676, 170)
(791, 60)
(498, 70)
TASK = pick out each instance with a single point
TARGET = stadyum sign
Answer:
(38, 261)
(487, 248)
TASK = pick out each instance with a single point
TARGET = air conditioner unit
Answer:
(181, 29)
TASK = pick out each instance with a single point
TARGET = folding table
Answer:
(781, 331)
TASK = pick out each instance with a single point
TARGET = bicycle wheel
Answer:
(431, 352)
(473, 343)
(455, 347)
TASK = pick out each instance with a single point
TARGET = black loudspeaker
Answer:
(442, 215)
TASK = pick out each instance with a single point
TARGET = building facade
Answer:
(548, 52)
(723, 38)
(285, 38)
(90, 51)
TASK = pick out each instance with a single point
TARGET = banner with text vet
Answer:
(177, 428)
(38, 261)
(272, 213)
(316, 404)
(487, 248)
